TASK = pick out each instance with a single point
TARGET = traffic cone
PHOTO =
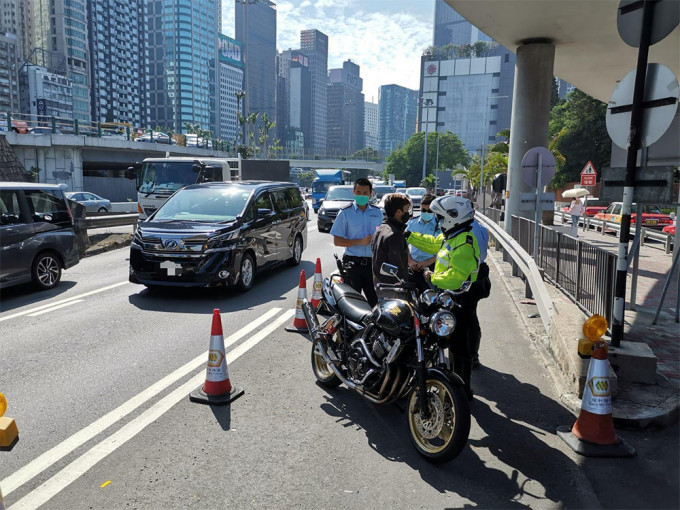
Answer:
(217, 388)
(299, 323)
(593, 433)
(9, 433)
(317, 285)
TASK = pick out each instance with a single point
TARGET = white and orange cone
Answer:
(593, 433)
(217, 388)
(317, 285)
(299, 322)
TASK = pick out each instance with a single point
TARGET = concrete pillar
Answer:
(530, 114)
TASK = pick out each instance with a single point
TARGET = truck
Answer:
(158, 178)
(399, 184)
(325, 178)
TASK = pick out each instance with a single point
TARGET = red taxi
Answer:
(670, 229)
(593, 206)
(652, 217)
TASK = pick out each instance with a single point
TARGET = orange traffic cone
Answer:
(299, 323)
(217, 388)
(593, 433)
(317, 285)
(9, 433)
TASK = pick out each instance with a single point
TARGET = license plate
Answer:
(172, 268)
(651, 222)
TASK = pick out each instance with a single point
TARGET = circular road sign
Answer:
(659, 106)
(530, 166)
(629, 20)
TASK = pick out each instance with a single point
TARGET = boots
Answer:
(463, 367)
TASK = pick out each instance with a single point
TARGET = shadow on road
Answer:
(27, 294)
(223, 416)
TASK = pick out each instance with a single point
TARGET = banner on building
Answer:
(230, 51)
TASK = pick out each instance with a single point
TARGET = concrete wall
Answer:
(116, 189)
(56, 165)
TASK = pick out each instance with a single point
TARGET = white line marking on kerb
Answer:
(63, 305)
(80, 466)
(50, 305)
(38, 465)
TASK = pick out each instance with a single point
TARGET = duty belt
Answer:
(361, 261)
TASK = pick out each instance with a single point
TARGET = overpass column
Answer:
(530, 115)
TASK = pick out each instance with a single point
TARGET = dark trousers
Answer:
(361, 276)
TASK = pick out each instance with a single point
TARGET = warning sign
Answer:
(588, 175)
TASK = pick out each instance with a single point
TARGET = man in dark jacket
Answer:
(389, 244)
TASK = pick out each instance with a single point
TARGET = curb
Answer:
(98, 249)
(662, 400)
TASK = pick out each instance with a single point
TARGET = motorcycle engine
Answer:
(364, 367)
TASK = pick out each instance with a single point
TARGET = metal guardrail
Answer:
(526, 265)
(109, 220)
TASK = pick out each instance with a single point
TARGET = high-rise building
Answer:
(398, 115)
(45, 94)
(256, 29)
(345, 123)
(294, 102)
(59, 27)
(183, 44)
(14, 19)
(9, 82)
(469, 96)
(231, 82)
(120, 60)
(371, 116)
(315, 45)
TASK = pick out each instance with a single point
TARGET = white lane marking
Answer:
(63, 305)
(81, 465)
(38, 465)
(41, 307)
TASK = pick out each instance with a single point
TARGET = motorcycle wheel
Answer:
(444, 435)
(323, 373)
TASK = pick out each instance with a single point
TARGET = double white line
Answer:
(81, 465)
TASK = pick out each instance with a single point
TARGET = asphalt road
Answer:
(97, 374)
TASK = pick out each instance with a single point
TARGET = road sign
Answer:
(659, 106)
(629, 20)
(588, 175)
(527, 201)
(529, 166)
(653, 185)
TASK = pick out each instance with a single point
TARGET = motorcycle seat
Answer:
(350, 302)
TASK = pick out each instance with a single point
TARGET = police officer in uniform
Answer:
(353, 229)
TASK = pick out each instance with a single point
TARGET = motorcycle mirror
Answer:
(388, 269)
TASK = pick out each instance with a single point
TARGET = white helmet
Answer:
(452, 211)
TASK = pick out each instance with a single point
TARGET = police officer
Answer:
(353, 229)
(426, 223)
(457, 263)
(481, 288)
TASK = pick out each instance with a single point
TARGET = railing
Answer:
(493, 214)
(583, 271)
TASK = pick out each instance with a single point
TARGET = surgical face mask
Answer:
(361, 200)
(427, 216)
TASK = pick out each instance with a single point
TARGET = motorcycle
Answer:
(392, 351)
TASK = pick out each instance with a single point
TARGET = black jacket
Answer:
(389, 245)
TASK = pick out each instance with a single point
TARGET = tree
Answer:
(305, 179)
(264, 129)
(579, 131)
(406, 163)
(366, 154)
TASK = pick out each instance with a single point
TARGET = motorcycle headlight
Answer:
(428, 298)
(442, 324)
(445, 300)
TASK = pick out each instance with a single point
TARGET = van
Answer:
(37, 239)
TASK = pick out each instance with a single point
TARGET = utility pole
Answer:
(423, 109)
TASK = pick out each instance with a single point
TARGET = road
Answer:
(97, 374)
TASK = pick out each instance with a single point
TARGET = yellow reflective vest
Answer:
(457, 257)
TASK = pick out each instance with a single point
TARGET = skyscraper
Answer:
(371, 116)
(120, 61)
(398, 114)
(315, 45)
(183, 44)
(256, 29)
(294, 101)
(9, 84)
(345, 124)
(230, 82)
(452, 28)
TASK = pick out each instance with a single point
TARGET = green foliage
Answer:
(366, 154)
(305, 178)
(451, 51)
(406, 163)
(577, 127)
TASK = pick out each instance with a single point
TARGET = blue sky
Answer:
(384, 37)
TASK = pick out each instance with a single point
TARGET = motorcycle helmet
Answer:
(452, 211)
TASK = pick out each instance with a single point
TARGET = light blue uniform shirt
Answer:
(422, 227)
(482, 235)
(353, 223)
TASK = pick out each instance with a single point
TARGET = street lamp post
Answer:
(484, 141)
(424, 102)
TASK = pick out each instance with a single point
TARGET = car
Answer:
(219, 234)
(652, 217)
(337, 197)
(37, 240)
(416, 195)
(461, 193)
(18, 126)
(44, 130)
(156, 137)
(380, 190)
(670, 229)
(593, 206)
(92, 202)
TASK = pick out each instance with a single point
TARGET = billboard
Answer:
(229, 51)
(300, 58)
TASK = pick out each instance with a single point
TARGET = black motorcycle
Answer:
(391, 351)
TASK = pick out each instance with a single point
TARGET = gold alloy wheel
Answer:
(434, 434)
(320, 364)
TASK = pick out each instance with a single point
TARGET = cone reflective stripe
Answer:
(299, 323)
(593, 433)
(317, 285)
(217, 388)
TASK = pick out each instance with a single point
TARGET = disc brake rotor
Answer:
(430, 428)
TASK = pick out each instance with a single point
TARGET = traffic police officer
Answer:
(353, 229)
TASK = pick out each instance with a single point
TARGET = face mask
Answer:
(405, 217)
(361, 200)
(427, 216)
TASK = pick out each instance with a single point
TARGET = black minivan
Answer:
(37, 239)
(220, 233)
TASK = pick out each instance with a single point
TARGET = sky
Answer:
(384, 37)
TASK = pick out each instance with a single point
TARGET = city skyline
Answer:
(392, 35)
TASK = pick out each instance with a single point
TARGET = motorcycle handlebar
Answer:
(398, 286)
